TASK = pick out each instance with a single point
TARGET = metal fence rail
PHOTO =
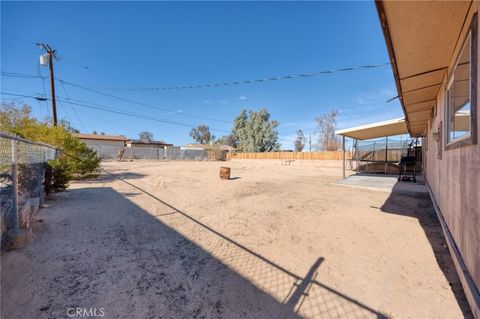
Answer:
(22, 190)
(326, 155)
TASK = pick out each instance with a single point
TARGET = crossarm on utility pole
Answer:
(51, 56)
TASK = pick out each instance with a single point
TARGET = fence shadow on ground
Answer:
(97, 249)
(296, 295)
(105, 178)
(421, 208)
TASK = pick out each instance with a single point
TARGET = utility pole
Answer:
(310, 142)
(51, 55)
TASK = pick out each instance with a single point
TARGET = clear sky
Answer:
(163, 44)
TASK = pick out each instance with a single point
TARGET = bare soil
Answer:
(173, 240)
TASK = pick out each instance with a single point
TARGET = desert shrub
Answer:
(57, 176)
(75, 159)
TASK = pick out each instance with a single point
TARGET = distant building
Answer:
(106, 146)
(94, 140)
(207, 147)
(142, 143)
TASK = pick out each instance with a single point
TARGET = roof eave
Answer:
(386, 33)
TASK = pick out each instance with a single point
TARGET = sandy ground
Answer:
(175, 241)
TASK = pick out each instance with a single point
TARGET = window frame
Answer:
(472, 138)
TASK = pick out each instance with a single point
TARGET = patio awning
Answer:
(421, 38)
(376, 130)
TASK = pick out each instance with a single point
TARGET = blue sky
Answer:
(162, 44)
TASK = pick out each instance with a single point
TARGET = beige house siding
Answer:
(90, 142)
(454, 176)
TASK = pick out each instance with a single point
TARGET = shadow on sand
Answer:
(299, 295)
(97, 249)
(421, 208)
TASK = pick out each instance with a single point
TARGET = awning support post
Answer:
(386, 153)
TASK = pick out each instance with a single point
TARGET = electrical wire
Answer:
(303, 75)
(19, 91)
(210, 85)
(170, 111)
(73, 107)
(274, 78)
(116, 111)
(142, 104)
(61, 58)
(20, 75)
(105, 120)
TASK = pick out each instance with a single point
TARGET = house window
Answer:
(461, 95)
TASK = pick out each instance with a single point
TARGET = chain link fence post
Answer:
(22, 186)
(15, 187)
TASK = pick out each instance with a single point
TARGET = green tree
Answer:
(300, 141)
(255, 132)
(146, 136)
(68, 126)
(201, 134)
(76, 160)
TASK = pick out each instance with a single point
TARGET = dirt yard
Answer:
(172, 240)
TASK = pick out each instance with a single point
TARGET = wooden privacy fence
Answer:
(327, 155)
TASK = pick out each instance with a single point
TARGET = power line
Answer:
(303, 75)
(103, 108)
(39, 98)
(228, 83)
(73, 107)
(105, 120)
(19, 91)
(142, 104)
(274, 78)
(21, 75)
(85, 67)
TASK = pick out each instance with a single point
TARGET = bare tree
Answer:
(326, 124)
(299, 141)
(146, 136)
(229, 140)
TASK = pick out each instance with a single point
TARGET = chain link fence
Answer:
(22, 189)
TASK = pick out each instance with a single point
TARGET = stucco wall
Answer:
(154, 153)
(102, 142)
(106, 151)
(175, 153)
(455, 181)
(143, 152)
